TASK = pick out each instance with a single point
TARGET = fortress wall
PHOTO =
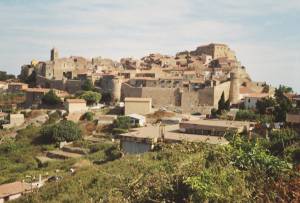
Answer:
(218, 90)
(72, 86)
(130, 91)
(206, 96)
(160, 96)
(53, 84)
(57, 84)
(197, 101)
(204, 100)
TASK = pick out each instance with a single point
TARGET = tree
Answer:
(4, 76)
(87, 85)
(90, 97)
(122, 122)
(51, 99)
(222, 104)
(60, 132)
(285, 89)
(246, 115)
(263, 104)
(280, 140)
(284, 105)
(89, 116)
(227, 105)
(214, 112)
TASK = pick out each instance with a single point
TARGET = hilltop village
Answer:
(68, 118)
(190, 81)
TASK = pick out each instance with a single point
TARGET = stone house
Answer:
(3, 86)
(76, 106)
(14, 87)
(34, 95)
(15, 120)
(141, 106)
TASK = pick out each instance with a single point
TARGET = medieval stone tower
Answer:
(54, 54)
(234, 92)
(116, 88)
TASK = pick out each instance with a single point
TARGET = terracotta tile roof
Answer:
(245, 90)
(13, 188)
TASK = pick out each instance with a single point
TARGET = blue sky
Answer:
(264, 33)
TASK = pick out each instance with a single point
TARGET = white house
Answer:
(251, 99)
(136, 119)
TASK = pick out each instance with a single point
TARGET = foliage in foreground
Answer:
(243, 171)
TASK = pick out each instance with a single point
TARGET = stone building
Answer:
(34, 96)
(216, 51)
(75, 106)
(15, 120)
(14, 87)
(213, 127)
(141, 106)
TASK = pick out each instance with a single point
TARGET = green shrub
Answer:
(117, 131)
(87, 85)
(90, 97)
(54, 117)
(89, 116)
(122, 122)
(62, 131)
(246, 115)
(51, 99)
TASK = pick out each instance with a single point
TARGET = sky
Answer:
(265, 34)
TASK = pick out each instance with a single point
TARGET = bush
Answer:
(117, 131)
(53, 117)
(51, 99)
(60, 132)
(245, 115)
(90, 97)
(87, 85)
(89, 116)
(122, 122)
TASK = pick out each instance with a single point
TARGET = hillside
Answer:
(241, 172)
